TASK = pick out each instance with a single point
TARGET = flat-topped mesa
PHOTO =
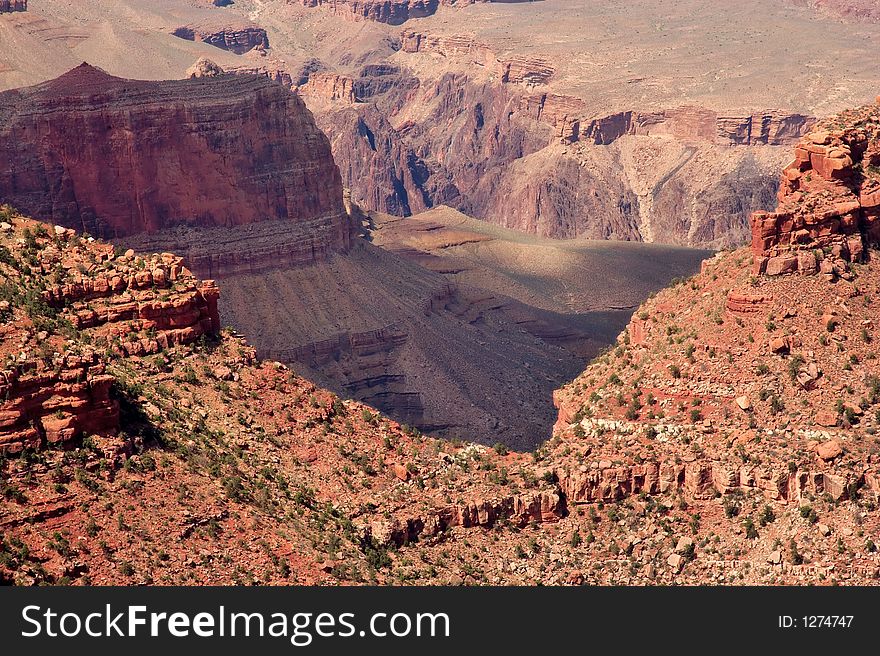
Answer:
(117, 158)
(829, 200)
(235, 38)
(12, 5)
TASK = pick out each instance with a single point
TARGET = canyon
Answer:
(727, 437)
(232, 173)
(562, 137)
(449, 356)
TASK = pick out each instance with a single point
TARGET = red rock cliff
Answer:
(829, 200)
(54, 388)
(118, 157)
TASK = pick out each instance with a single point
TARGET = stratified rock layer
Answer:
(829, 200)
(54, 391)
(237, 39)
(115, 157)
(393, 12)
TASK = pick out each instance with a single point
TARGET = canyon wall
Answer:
(572, 119)
(118, 158)
(535, 161)
(393, 12)
(829, 200)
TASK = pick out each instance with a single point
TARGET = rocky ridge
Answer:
(704, 448)
(59, 286)
(829, 200)
(145, 395)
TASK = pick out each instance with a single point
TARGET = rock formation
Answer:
(13, 5)
(695, 452)
(456, 121)
(132, 306)
(53, 405)
(328, 87)
(393, 12)
(127, 157)
(829, 200)
(204, 67)
(234, 39)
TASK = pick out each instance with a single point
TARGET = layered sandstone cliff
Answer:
(572, 119)
(829, 200)
(453, 120)
(118, 157)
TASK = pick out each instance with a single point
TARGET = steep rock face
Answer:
(329, 87)
(54, 404)
(527, 161)
(829, 200)
(13, 5)
(375, 161)
(469, 137)
(551, 194)
(118, 157)
(237, 39)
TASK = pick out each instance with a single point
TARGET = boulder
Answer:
(829, 450)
